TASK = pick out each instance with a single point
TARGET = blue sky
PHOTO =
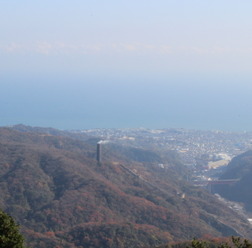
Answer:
(83, 64)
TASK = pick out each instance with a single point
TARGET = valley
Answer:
(140, 194)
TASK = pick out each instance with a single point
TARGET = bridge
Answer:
(208, 183)
(222, 181)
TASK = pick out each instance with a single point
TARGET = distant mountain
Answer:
(239, 168)
(54, 187)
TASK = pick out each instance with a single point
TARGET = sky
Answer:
(116, 64)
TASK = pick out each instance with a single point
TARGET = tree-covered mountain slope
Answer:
(54, 187)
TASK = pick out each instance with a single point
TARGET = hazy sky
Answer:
(87, 64)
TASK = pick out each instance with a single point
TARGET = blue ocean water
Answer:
(86, 104)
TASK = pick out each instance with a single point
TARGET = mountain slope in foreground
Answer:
(53, 186)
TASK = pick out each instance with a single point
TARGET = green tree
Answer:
(235, 242)
(9, 232)
(199, 244)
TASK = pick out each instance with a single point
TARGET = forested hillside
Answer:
(54, 187)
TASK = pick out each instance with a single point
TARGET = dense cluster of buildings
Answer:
(196, 147)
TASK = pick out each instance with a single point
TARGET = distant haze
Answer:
(156, 64)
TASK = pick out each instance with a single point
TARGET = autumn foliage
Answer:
(52, 186)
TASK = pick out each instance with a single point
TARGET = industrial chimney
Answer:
(99, 150)
(98, 153)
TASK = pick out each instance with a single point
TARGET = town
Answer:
(197, 148)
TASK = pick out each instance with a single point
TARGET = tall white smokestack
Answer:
(99, 150)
